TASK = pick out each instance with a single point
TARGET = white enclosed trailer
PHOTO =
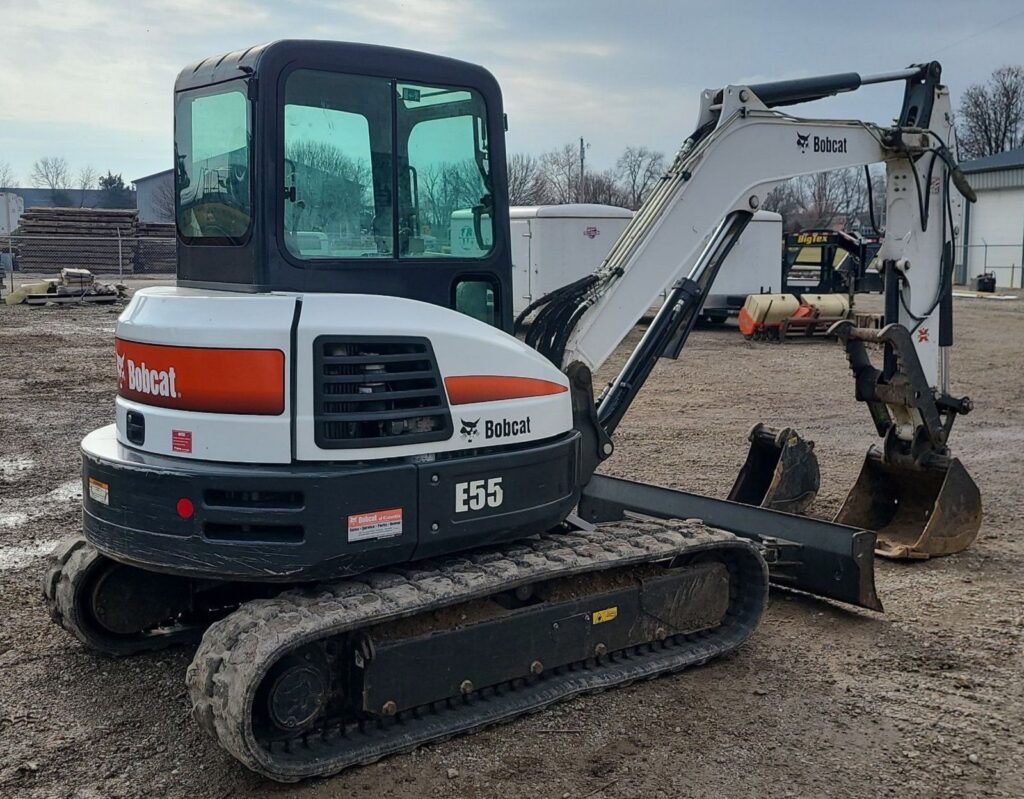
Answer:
(553, 245)
(753, 266)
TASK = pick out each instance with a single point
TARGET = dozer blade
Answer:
(917, 513)
(780, 472)
(819, 557)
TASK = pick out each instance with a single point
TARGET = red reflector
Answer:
(490, 388)
(185, 508)
(207, 379)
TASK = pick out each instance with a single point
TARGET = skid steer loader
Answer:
(378, 509)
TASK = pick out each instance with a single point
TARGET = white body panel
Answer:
(462, 346)
(553, 245)
(199, 318)
(754, 265)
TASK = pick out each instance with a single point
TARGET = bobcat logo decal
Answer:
(802, 140)
(120, 371)
(469, 431)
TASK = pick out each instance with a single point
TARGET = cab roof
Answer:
(351, 57)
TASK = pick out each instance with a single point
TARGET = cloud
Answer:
(94, 77)
(434, 20)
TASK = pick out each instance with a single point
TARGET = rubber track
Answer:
(237, 651)
(69, 568)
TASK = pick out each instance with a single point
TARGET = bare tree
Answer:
(828, 199)
(525, 180)
(605, 188)
(991, 117)
(7, 176)
(51, 172)
(332, 188)
(87, 177)
(638, 169)
(163, 201)
(445, 188)
(786, 199)
(830, 195)
(561, 174)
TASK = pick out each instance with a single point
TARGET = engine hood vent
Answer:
(377, 392)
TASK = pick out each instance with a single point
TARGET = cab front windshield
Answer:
(213, 201)
(380, 169)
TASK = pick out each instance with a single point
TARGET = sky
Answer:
(92, 80)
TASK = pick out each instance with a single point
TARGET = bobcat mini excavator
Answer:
(378, 509)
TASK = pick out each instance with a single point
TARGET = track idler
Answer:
(919, 499)
(780, 472)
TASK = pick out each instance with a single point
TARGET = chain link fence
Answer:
(121, 256)
(1002, 260)
(125, 256)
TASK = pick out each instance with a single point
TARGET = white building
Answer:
(154, 197)
(993, 228)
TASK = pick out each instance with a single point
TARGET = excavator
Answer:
(377, 509)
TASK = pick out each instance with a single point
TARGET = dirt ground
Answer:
(926, 700)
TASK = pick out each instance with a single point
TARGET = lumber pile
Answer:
(104, 241)
(49, 239)
(73, 286)
(155, 247)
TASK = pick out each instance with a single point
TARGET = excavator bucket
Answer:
(917, 513)
(780, 472)
(919, 499)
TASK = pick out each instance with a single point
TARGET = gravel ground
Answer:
(925, 700)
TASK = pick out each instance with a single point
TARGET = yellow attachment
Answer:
(770, 309)
(829, 305)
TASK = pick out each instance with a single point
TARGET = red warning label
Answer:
(181, 440)
(375, 524)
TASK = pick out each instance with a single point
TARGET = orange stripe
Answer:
(491, 388)
(214, 380)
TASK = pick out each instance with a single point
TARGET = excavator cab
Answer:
(327, 167)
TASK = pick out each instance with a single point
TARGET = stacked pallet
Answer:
(98, 239)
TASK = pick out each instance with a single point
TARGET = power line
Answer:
(978, 33)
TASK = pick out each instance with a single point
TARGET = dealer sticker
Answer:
(181, 440)
(375, 524)
(99, 491)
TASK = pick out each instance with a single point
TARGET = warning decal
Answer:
(99, 491)
(375, 524)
